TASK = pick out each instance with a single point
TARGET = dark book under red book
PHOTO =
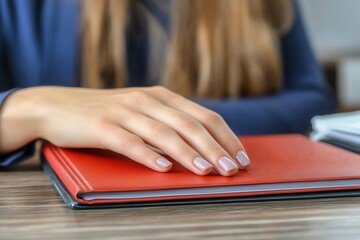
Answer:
(283, 166)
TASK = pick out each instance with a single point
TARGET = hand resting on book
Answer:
(127, 121)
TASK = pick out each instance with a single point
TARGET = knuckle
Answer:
(188, 123)
(159, 89)
(139, 96)
(164, 92)
(213, 118)
(161, 130)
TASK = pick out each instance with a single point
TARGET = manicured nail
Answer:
(163, 163)
(226, 164)
(243, 159)
(201, 163)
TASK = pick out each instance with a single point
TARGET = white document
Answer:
(340, 126)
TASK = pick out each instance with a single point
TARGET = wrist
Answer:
(20, 119)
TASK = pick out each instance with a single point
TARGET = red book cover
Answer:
(280, 164)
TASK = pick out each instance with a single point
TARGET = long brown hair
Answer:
(217, 48)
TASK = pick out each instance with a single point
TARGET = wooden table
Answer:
(30, 208)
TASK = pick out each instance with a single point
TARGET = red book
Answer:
(283, 166)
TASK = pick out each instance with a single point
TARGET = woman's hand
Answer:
(129, 121)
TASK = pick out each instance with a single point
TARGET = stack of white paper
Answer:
(340, 127)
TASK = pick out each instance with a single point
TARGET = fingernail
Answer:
(243, 159)
(201, 164)
(226, 164)
(163, 163)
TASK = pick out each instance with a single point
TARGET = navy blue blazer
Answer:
(39, 45)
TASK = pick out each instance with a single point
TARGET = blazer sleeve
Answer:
(305, 93)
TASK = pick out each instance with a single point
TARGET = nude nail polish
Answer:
(226, 164)
(201, 164)
(243, 159)
(163, 163)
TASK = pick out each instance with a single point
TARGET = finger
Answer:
(163, 137)
(195, 134)
(123, 142)
(212, 121)
(223, 134)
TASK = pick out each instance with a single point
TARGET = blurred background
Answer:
(334, 30)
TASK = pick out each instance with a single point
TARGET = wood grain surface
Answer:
(30, 208)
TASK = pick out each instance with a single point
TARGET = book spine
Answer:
(73, 181)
